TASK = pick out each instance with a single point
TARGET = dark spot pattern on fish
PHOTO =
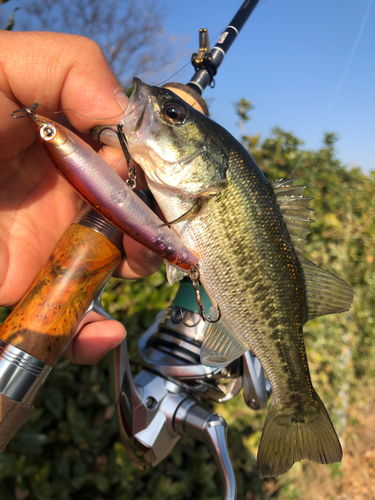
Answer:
(250, 268)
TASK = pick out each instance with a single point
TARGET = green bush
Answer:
(70, 446)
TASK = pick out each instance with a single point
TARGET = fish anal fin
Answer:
(325, 292)
(220, 347)
(288, 438)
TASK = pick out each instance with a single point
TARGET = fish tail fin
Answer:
(288, 438)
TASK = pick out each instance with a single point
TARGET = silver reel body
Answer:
(164, 401)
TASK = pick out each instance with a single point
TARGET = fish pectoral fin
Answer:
(174, 273)
(220, 347)
(196, 208)
(292, 434)
(325, 292)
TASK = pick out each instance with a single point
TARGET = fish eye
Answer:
(175, 112)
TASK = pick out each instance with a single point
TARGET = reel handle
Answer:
(194, 420)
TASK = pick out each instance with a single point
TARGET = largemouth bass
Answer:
(249, 234)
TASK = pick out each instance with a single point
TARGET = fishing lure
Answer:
(100, 186)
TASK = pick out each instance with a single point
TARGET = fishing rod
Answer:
(206, 62)
(204, 75)
(66, 294)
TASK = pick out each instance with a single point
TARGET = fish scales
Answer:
(243, 227)
(253, 273)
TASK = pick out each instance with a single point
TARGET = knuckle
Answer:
(90, 47)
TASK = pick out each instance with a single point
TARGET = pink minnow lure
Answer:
(100, 186)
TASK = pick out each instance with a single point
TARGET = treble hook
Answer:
(132, 181)
(189, 326)
(101, 144)
(194, 276)
(24, 112)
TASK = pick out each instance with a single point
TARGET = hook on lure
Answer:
(185, 324)
(194, 276)
(132, 180)
(25, 112)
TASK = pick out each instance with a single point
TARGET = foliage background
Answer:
(70, 446)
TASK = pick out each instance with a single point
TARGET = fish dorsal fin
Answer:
(220, 347)
(325, 292)
(295, 210)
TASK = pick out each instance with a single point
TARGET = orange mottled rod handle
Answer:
(36, 333)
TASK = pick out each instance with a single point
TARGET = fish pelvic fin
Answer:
(174, 273)
(220, 347)
(289, 437)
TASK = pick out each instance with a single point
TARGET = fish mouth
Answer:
(136, 108)
(132, 118)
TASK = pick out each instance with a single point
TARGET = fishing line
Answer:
(174, 74)
(296, 166)
(338, 88)
(36, 105)
(89, 117)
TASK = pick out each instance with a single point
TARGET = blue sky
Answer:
(307, 66)
(302, 64)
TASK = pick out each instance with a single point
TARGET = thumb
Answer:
(59, 71)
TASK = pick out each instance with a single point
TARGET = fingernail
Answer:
(113, 346)
(148, 254)
(121, 98)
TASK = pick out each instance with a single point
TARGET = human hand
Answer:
(36, 204)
